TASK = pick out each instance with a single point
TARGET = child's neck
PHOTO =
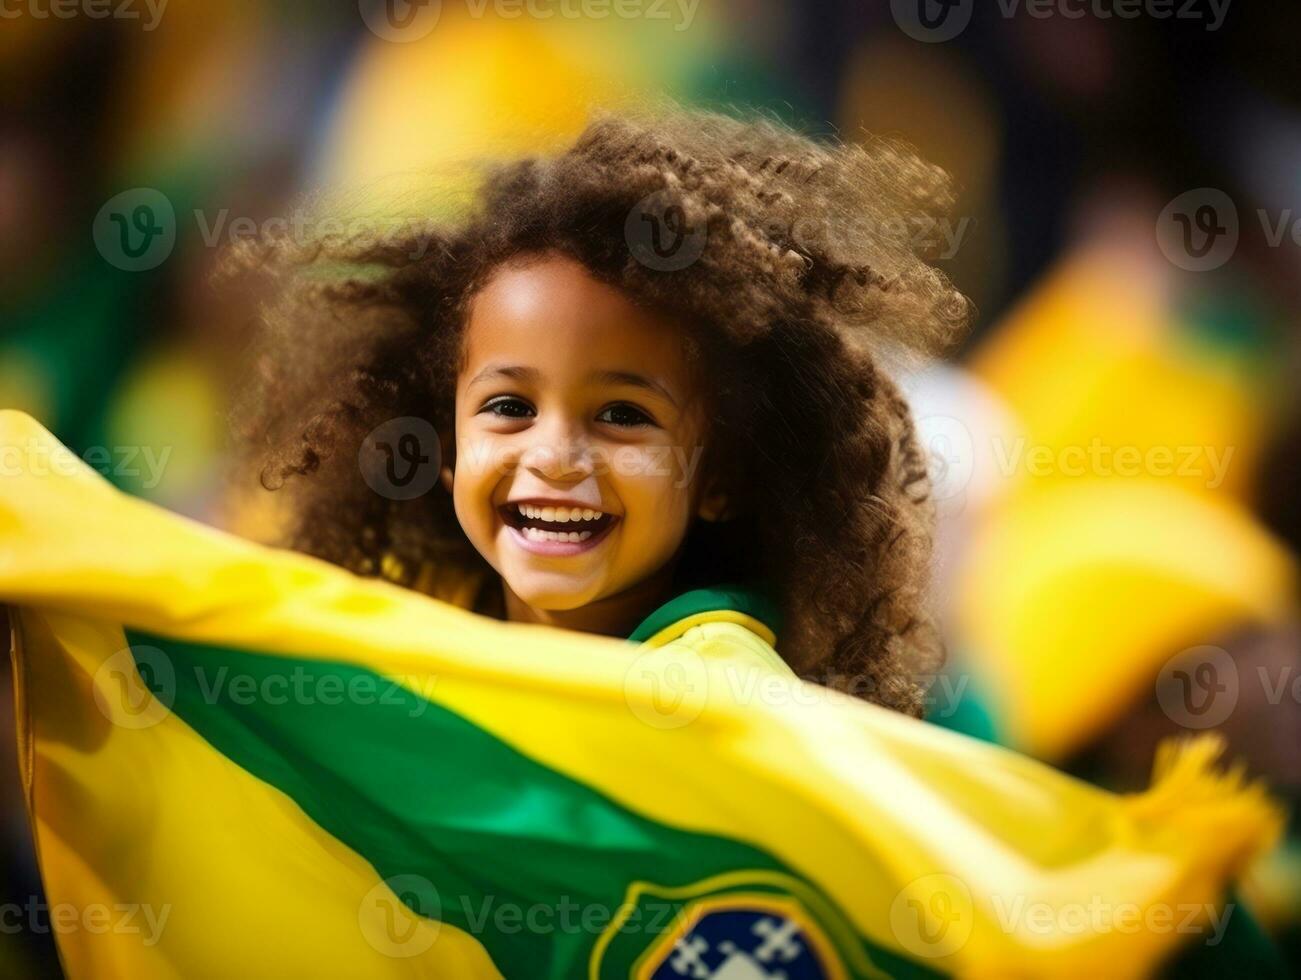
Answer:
(616, 615)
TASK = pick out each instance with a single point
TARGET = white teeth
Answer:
(559, 515)
(537, 534)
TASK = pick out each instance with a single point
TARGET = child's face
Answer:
(570, 393)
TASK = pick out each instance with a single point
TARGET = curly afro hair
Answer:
(813, 266)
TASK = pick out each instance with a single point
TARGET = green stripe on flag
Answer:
(418, 790)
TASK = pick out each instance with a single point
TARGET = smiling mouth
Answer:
(546, 524)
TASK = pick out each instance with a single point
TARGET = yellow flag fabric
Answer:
(281, 770)
(1122, 538)
(1131, 389)
(1115, 578)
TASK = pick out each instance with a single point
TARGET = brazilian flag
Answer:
(246, 762)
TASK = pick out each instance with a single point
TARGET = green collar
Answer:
(745, 599)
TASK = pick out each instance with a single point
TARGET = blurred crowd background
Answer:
(1115, 444)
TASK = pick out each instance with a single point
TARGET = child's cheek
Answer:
(666, 466)
(655, 492)
(474, 482)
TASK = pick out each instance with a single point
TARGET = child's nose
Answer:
(560, 452)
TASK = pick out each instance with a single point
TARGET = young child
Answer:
(654, 364)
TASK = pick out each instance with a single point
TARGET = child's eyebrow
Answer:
(635, 380)
(516, 372)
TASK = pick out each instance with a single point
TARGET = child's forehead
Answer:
(552, 286)
(553, 310)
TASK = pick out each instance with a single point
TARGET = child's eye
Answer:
(625, 415)
(508, 407)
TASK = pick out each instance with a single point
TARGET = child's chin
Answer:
(554, 592)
